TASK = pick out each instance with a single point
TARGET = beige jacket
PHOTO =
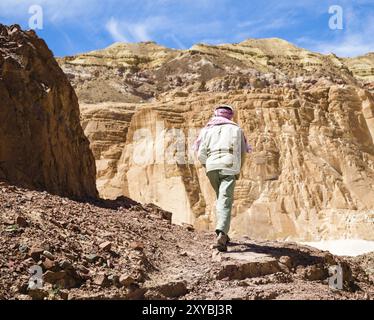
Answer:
(223, 147)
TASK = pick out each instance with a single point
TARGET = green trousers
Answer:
(224, 187)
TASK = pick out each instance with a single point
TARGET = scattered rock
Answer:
(166, 215)
(66, 265)
(84, 270)
(286, 260)
(64, 294)
(38, 294)
(48, 255)
(23, 248)
(137, 246)
(136, 293)
(312, 273)
(173, 289)
(188, 227)
(154, 295)
(63, 279)
(92, 258)
(247, 265)
(243, 283)
(48, 264)
(266, 295)
(22, 222)
(52, 277)
(23, 287)
(162, 214)
(105, 246)
(143, 275)
(126, 280)
(35, 253)
(115, 280)
(280, 277)
(216, 256)
(101, 280)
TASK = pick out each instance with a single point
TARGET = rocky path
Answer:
(122, 250)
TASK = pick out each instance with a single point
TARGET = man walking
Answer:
(221, 148)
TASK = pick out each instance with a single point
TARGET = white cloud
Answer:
(139, 31)
(350, 46)
(128, 32)
(114, 30)
(136, 31)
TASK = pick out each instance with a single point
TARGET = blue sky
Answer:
(75, 26)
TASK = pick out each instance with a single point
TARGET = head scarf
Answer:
(225, 113)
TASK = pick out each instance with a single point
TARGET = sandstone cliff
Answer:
(42, 144)
(308, 116)
(311, 175)
(363, 69)
(138, 72)
(106, 126)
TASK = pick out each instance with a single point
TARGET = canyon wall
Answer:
(308, 116)
(42, 144)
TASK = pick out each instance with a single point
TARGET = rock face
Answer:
(142, 71)
(308, 116)
(42, 144)
(106, 125)
(311, 174)
(116, 73)
(363, 69)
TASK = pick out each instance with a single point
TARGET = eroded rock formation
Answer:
(42, 144)
(308, 116)
(311, 173)
(363, 69)
(142, 71)
(106, 125)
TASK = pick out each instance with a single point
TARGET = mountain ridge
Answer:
(270, 60)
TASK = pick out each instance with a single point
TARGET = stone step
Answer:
(243, 265)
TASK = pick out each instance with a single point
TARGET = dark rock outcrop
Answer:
(42, 144)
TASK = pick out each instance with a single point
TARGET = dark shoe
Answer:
(222, 240)
(221, 248)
